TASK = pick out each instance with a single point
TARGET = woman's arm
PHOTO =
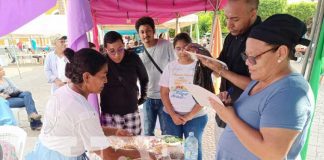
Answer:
(168, 106)
(114, 154)
(3, 95)
(240, 81)
(11, 84)
(108, 131)
(192, 113)
(268, 143)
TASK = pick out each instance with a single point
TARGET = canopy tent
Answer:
(82, 16)
(133, 31)
(45, 25)
(128, 11)
(171, 24)
(114, 12)
(125, 12)
(129, 29)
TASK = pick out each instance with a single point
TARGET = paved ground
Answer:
(33, 79)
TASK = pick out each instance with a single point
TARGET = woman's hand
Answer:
(225, 98)
(59, 83)
(123, 132)
(177, 119)
(227, 114)
(186, 118)
(5, 96)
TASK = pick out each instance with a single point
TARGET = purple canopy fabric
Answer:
(16, 13)
(79, 22)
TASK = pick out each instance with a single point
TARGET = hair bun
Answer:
(69, 54)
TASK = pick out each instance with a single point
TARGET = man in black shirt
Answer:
(241, 16)
(119, 98)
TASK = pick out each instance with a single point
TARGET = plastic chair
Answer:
(16, 112)
(15, 136)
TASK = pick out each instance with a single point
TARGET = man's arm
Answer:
(48, 69)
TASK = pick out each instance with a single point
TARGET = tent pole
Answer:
(190, 30)
(313, 75)
(318, 21)
(15, 54)
(314, 38)
(177, 24)
(197, 33)
(211, 38)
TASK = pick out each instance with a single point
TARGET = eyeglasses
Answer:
(252, 59)
(118, 51)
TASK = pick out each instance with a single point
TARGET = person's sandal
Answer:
(34, 116)
(36, 125)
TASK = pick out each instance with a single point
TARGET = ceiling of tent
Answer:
(45, 25)
(128, 11)
(171, 24)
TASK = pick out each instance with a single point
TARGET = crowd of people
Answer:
(266, 111)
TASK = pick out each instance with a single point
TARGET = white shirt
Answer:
(71, 126)
(61, 63)
(175, 76)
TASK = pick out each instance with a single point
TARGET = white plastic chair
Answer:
(16, 112)
(15, 136)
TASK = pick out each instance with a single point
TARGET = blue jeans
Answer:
(24, 99)
(196, 125)
(151, 109)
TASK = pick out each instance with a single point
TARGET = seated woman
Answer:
(6, 116)
(181, 112)
(18, 99)
(71, 125)
(270, 120)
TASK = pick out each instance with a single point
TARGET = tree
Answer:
(205, 22)
(270, 7)
(302, 10)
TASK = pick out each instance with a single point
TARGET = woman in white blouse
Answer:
(71, 125)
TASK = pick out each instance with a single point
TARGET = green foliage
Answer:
(171, 32)
(302, 10)
(205, 22)
(270, 7)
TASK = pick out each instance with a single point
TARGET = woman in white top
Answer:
(181, 112)
(71, 126)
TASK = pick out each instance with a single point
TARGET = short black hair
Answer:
(84, 60)
(145, 21)
(111, 37)
(91, 45)
(182, 36)
(253, 3)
